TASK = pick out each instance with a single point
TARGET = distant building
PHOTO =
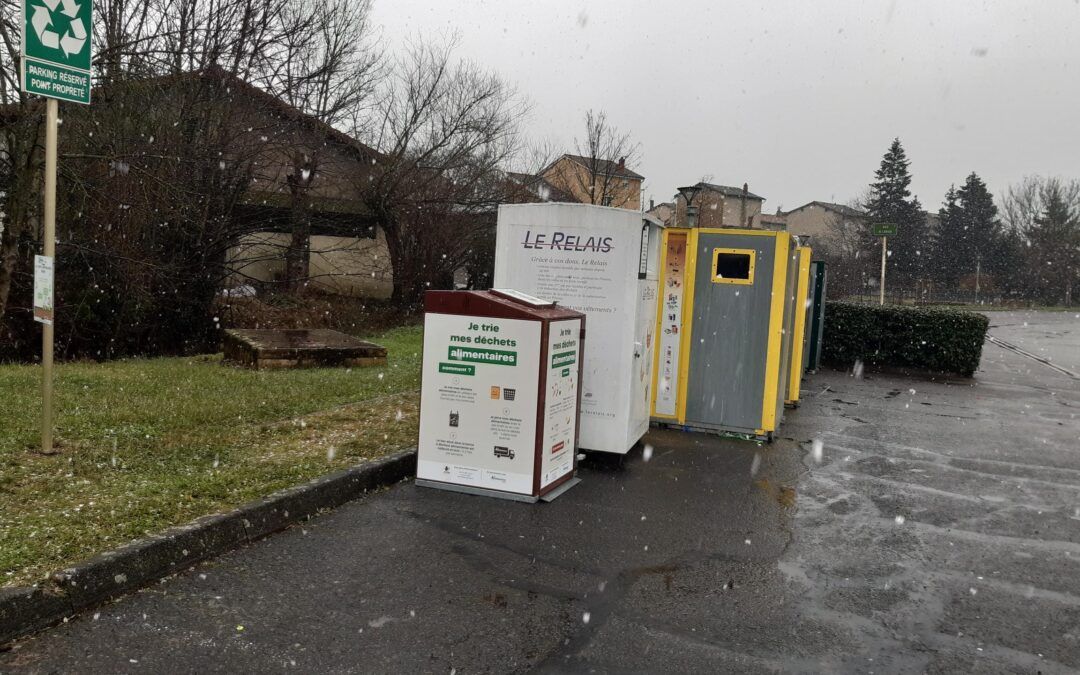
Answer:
(770, 221)
(596, 181)
(933, 220)
(821, 220)
(720, 206)
(534, 187)
(664, 212)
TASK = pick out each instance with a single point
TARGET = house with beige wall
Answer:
(664, 212)
(591, 180)
(720, 206)
(346, 249)
(821, 221)
(770, 221)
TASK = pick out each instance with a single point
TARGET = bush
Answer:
(935, 339)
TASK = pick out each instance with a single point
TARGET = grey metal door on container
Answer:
(729, 336)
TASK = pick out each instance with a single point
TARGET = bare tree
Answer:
(20, 127)
(1042, 215)
(598, 172)
(149, 200)
(327, 66)
(445, 130)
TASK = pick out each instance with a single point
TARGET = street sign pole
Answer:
(884, 247)
(883, 230)
(51, 115)
(55, 63)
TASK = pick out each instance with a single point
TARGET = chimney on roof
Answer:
(652, 205)
(622, 162)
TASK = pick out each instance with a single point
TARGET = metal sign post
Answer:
(883, 230)
(884, 247)
(50, 253)
(55, 63)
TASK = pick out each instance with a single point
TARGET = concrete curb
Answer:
(77, 588)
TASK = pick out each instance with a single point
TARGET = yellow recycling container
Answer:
(724, 307)
(801, 299)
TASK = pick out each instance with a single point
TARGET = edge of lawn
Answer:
(24, 610)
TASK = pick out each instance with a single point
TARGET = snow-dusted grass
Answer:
(148, 443)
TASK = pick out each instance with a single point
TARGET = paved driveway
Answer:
(899, 525)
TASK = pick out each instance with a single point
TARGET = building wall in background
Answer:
(339, 265)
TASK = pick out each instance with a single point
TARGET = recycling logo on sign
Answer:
(61, 30)
(56, 48)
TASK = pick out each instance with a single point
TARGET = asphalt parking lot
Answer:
(897, 525)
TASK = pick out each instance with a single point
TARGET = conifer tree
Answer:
(981, 228)
(949, 229)
(891, 202)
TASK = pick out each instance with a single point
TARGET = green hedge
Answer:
(936, 339)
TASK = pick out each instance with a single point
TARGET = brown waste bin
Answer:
(500, 394)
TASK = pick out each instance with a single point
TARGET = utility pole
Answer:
(978, 275)
(742, 205)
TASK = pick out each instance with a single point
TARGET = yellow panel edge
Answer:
(687, 320)
(776, 330)
(801, 291)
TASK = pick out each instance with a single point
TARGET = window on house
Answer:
(607, 200)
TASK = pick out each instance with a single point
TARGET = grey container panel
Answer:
(729, 338)
(821, 280)
(787, 349)
(808, 326)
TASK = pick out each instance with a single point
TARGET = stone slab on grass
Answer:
(299, 348)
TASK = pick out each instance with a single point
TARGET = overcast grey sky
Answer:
(798, 98)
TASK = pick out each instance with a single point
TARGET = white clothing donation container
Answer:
(603, 262)
(499, 395)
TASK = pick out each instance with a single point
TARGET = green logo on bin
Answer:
(563, 359)
(495, 357)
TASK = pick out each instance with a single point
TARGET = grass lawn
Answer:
(148, 443)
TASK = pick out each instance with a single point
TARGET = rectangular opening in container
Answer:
(733, 266)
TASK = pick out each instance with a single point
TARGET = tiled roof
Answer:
(541, 187)
(729, 191)
(605, 167)
(835, 208)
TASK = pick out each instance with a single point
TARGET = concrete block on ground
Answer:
(299, 348)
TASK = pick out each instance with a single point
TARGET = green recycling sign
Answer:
(56, 49)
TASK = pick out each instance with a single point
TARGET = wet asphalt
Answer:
(896, 525)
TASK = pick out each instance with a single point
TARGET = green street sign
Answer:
(56, 48)
(884, 229)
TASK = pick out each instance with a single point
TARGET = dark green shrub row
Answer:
(935, 339)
